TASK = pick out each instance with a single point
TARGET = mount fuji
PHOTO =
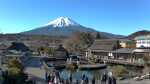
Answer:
(65, 27)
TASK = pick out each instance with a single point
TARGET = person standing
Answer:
(86, 80)
(83, 79)
(77, 81)
(48, 78)
(93, 80)
(111, 79)
(104, 78)
(70, 78)
(67, 82)
(55, 80)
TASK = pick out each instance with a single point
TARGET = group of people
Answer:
(85, 80)
(108, 78)
(54, 78)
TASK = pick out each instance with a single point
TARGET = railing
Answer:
(123, 62)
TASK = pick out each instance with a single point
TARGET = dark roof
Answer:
(18, 47)
(3, 47)
(63, 54)
(105, 44)
(61, 48)
(124, 50)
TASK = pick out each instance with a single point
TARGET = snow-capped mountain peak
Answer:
(62, 22)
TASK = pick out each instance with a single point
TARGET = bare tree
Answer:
(79, 42)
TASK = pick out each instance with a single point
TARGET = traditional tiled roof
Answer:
(18, 47)
(61, 52)
(61, 48)
(3, 47)
(143, 37)
(105, 44)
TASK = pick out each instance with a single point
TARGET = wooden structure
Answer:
(110, 50)
(102, 48)
(61, 53)
(92, 66)
(16, 50)
(126, 43)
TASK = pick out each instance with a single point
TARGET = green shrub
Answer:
(71, 67)
(15, 63)
(14, 71)
(119, 71)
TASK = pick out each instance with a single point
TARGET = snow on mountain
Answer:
(62, 22)
(64, 26)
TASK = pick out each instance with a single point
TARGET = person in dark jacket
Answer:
(77, 81)
(111, 80)
(86, 80)
(93, 80)
(83, 77)
(46, 77)
(70, 78)
(104, 78)
(114, 80)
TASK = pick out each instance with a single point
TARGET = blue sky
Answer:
(113, 16)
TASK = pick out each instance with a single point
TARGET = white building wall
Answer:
(145, 43)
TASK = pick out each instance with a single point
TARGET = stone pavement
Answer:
(147, 81)
(33, 68)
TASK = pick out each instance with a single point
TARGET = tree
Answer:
(45, 50)
(98, 35)
(51, 51)
(15, 63)
(119, 71)
(15, 74)
(146, 59)
(79, 42)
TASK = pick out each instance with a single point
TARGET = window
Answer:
(143, 42)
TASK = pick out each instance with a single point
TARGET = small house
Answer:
(16, 50)
(61, 53)
(102, 48)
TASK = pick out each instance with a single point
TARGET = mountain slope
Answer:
(138, 33)
(64, 26)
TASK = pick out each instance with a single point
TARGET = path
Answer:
(147, 81)
(33, 68)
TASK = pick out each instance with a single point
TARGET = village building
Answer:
(110, 49)
(131, 55)
(16, 50)
(143, 41)
(125, 43)
(61, 53)
(102, 48)
(3, 47)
